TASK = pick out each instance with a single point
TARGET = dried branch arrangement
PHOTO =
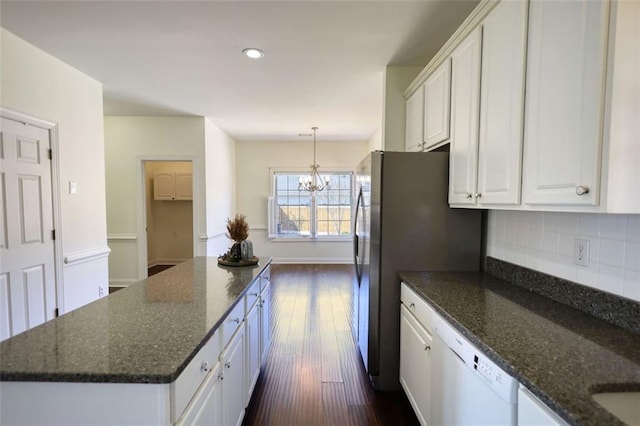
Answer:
(238, 228)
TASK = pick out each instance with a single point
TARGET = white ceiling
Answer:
(323, 64)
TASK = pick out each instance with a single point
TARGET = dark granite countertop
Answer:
(146, 333)
(560, 354)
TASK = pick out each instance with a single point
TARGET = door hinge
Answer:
(53, 234)
(50, 154)
(56, 313)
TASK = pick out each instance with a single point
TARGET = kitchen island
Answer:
(561, 355)
(143, 351)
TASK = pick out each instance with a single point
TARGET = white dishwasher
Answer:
(469, 389)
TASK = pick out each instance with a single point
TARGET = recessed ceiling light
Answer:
(253, 53)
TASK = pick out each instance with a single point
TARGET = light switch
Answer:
(73, 187)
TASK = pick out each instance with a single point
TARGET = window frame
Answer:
(313, 235)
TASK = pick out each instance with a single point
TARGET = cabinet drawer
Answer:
(417, 306)
(230, 324)
(265, 277)
(187, 383)
(252, 295)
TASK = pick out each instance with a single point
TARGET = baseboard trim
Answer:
(312, 261)
(122, 282)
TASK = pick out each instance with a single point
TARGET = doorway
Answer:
(168, 213)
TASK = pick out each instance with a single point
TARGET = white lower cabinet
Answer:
(415, 364)
(415, 352)
(533, 412)
(206, 405)
(253, 359)
(233, 379)
(265, 321)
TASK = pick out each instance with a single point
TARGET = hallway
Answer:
(313, 374)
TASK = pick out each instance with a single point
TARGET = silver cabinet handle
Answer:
(581, 190)
(412, 305)
(205, 366)
(254, 294)
(477, 195)
(227, 364)
(221, 376)
(426, 347)
(236, 320)
(468, 196)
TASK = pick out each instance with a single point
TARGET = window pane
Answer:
(333, 216)
(333, 206)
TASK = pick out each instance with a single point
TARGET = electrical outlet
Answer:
(581, 252)
(101, 291)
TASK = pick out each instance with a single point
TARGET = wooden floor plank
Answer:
(313, 374)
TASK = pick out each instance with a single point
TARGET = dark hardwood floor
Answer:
(313, 374)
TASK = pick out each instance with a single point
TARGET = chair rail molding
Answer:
(122, 237)
(83, 256)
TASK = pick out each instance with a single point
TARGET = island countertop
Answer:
(146, 333)
(560, 354)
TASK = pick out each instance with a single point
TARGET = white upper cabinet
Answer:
(504, 35)
(465, 104)
(414, 121)
(566, 69)
(172, 186)
(487, 91)
(437, 94)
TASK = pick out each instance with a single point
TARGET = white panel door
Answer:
(465, 107)
(437, 91)
(565, 93)
(27, 276)
(501, 104)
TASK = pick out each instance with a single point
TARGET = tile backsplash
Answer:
(544, 241)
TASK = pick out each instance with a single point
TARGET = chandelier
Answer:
(314, 181)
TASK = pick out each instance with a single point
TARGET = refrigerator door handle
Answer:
(356, 239)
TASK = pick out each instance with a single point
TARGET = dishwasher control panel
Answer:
(488, 370)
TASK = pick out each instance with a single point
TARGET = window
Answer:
(294, 213)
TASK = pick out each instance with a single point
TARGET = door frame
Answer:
(142, 205)
(56, 207)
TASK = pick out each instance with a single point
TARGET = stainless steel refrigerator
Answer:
(403, 222)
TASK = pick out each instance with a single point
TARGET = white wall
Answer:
(544, 241)
(129, 141)
(396, 81)
(37, 84)
(253, 161)
(220, 158)
(375, 141)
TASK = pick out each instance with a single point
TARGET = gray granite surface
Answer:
(617, 310)
(562, 355)
(146, 333)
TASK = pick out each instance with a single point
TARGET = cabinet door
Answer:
(184, 186)
(232, 363)
(164, 185)
(415, 364)
(206, 405)
(253, 354)
(265, 322)
(414, 121)
(531, 411)
(564, 109)
(501, 104)
(437, 91)
(465, 107)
